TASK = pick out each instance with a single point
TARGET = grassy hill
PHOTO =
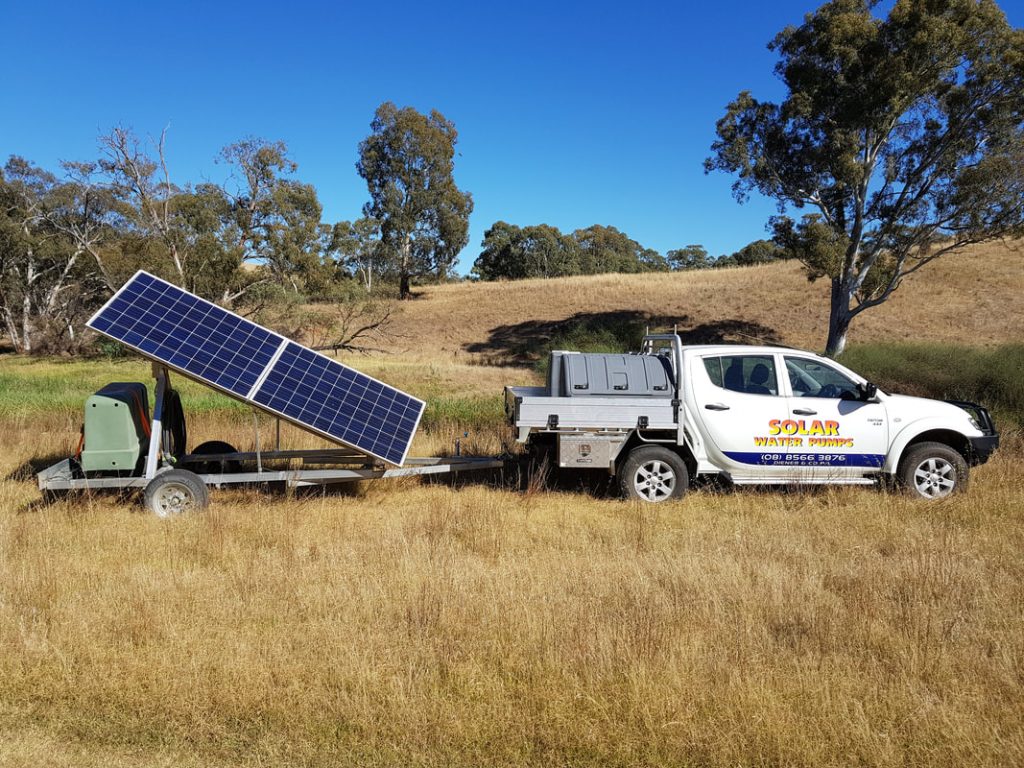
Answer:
(973, 298)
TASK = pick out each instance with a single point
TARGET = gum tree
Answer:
(901, 137)
(407, 162)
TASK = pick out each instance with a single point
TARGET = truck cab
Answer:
(750, 415)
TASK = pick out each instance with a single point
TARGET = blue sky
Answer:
(568, 114)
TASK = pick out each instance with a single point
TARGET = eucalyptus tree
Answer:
(45, 284)
(278, 218)
(901, 135)
(408, 164)
(358, 249)
(606, 249)
(511, 252)
(689, 257)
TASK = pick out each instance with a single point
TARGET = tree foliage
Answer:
(357, 249)
(510, 252)
(689, 257)
(277, 218)
(606, 249)
(758, 252)
(902, 135)
(45, 283)
(408, 163)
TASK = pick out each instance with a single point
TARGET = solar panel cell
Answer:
(254, 364)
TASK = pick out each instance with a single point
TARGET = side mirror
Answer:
(867, 391)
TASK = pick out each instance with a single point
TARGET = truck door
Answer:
(840, 434)
(737, 396)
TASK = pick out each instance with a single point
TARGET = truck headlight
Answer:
(974, 423)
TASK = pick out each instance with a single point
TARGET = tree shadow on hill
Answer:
(730, 331)
(524, 344)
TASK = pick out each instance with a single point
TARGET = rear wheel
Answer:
(653, 474)
(932, 471)
(176, 492)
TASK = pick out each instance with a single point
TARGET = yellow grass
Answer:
(418, 625)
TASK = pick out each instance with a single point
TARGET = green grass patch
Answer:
(474, 413)
(46, 386)
(991, 376)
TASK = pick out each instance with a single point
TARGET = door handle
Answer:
(804, 412)
(716, 407)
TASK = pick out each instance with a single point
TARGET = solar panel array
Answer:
(217, 347)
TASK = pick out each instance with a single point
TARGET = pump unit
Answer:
(116, 431)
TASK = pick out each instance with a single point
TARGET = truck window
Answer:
(751, 374)
(812, 378)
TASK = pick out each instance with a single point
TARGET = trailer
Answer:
(141, 455)
(124, 447)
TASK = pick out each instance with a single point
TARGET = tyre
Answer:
(932, 471)
(216, 467)
(175, 492)
(653, 474)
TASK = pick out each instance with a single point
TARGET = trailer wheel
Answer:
(932, 471)
(653, 474)
(175, 492)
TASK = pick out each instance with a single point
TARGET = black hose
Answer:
(173, 420)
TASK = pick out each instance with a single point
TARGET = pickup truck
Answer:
(750, 415)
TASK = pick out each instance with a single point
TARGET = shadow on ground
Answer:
(28, 469)
(523, 344)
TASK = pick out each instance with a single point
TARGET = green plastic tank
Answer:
(116, 428)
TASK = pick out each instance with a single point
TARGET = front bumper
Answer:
(982, 448)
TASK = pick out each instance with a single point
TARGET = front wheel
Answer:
(175, 492)
(932, 471)
(653, 474)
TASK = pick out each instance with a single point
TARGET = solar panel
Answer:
(340, 402)
(251, 363)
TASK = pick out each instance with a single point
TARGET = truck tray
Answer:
(534, 408)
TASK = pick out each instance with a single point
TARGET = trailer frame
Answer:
(339, 465)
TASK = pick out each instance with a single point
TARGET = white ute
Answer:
(750, 415)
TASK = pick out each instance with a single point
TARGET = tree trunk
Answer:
(403, 287)
(12, 329)
(839, 318)
(26, 325)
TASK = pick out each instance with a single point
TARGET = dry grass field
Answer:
(401, 624)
